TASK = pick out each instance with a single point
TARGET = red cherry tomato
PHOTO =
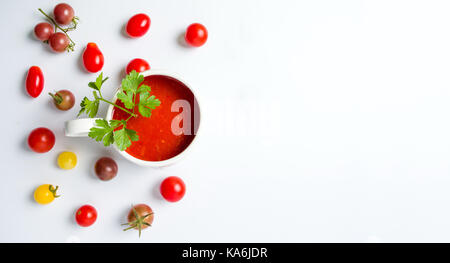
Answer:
(173, 189)
(196, 35)
(137, 64)
(63, 13)
(138, 25)
(93, 58)
(58, 42)
(43, 31)
(41, 140)
(35, 81)
(86, 215)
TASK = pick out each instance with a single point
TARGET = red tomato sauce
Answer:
(156, 141)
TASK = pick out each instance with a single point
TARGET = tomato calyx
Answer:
(53, 190)
(138, 223)
(56, 97)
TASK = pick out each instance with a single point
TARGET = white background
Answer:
(322, 121)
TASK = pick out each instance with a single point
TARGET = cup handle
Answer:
(79, 127)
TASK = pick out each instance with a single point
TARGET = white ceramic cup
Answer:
(81, 127)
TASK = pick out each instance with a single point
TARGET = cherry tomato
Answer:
(93, 58)
(41, 140)
(140, 217)
(43, 31)
(137, 64)
(86, 215)
(138, 25)
(58, 42)
(63, 99)
(67, 160)
(173, 189)
(196, 35)
(63, 13)
(106, 168)
(35, 81)
(45, 194)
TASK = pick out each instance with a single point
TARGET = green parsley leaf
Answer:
(132, 81)
(130, 85)
(116, 123)
(123, 138)
(126, 98)
(92, 85)
(97, 85)
(89, 106)
(132, 134)
(99, 81)
(144, 88)
(102, 132)
(147, 103)
(83, 109)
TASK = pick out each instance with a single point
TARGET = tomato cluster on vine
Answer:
(63, 15)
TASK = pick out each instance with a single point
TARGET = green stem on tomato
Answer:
(56, 25)
(74, 24)
(58, 99)
(117, 106)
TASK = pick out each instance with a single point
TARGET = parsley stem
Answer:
(117, 106)
(56, 25)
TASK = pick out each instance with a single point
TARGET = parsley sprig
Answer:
(116, 131)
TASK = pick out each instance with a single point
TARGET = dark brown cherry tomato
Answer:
(196, 35)
(139, 217)
(106, 168)
(63, 13)
(63, 99)
(43, 31)
(93, 58)
(35, 81)
(86, 215)
(138, 25)
(137, 64)
(173, 189)
(58, 42)
(41, 140)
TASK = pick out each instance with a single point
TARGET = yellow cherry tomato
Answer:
(67, 160)
(45, 194)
